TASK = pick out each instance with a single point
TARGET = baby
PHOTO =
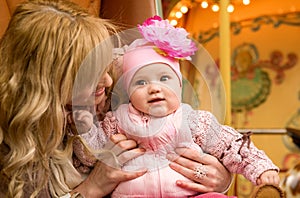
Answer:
(158, 121)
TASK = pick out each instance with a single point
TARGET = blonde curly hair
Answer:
(40, 54)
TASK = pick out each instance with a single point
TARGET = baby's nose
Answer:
(154, 88)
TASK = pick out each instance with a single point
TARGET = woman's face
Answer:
(99, 93)
(94, 96)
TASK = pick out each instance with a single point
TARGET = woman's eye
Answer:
(140, 82)
(164, 78)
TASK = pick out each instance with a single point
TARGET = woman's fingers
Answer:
(185, 163)
(119, 143)
(105, 178)
(117, 138)
(198, 187)
(191, 169)
(129, 155)
(114, 139)
(123, 146)
(196, 156)
(118, 175)
(119, 150)
(191, 185)
(205, 170)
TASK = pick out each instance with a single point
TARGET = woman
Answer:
(41, 53)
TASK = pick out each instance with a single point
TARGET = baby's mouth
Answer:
(156, 100)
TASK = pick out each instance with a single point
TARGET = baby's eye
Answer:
(164, 78)
(140, 82)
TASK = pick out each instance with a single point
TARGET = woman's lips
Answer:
(99, 92)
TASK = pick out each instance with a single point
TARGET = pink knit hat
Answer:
(161, 43)
(135, 59)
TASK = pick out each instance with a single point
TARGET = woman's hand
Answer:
(214, 176)
(106, 175)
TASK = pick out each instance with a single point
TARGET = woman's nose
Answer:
(107, 80)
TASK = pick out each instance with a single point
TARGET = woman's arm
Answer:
(105, 177)
(216, 178)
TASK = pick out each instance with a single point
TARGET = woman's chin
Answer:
(100, 100)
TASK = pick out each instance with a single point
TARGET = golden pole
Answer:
(225, 64)
(158, 8)
(225, 56)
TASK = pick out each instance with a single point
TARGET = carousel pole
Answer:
(225, 56)
(158, 8)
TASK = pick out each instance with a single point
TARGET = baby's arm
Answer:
(234, 150)
(95, 134)
(88, 130)
(269, 177)
(83, 122)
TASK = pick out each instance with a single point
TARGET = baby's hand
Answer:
(269, 177)
(83, 120)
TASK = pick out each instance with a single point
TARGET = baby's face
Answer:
(155, 89)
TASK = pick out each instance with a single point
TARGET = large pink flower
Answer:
(173, 42)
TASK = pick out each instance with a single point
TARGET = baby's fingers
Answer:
(269, 177)
(275, 180)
